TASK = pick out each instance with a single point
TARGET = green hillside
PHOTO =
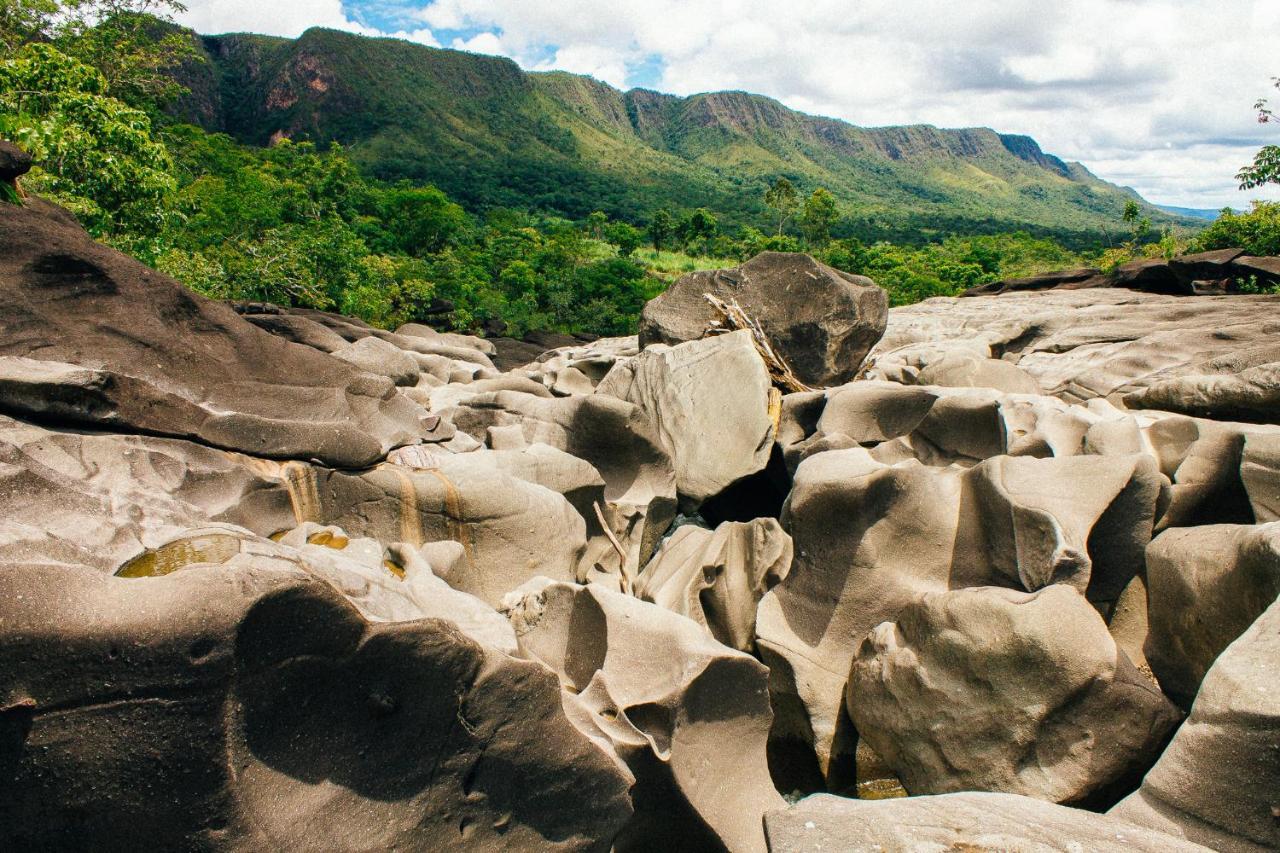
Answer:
(490, 134)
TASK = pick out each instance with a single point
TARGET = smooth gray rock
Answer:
(1205, 586)
(1260, 475)
(253, 708)
(1083, 344)
(869, 538)
(688, 715)
(129, 349)
(717, 577)
(709, 401)
(377, 356)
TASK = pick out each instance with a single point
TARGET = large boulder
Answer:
(821, 321)
(689, 716)
(709, 400)
(253, 708)
(14, 162)
(92, 337)
(989, 689)
(957, 822)
(1205, 586)
(1218, 781)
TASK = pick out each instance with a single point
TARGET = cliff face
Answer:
(491, 134)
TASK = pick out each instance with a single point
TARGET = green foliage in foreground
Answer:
(950, 267)
(1257, 231)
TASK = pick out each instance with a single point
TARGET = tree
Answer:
(819, 214)
(1139, 225)
(421, 220)
(23, 21)
(699, 225)
(660, 228)
(1265, 168)
(596, 223)
(626, 237)
(784, 199)
(132, 43)
(94, 154)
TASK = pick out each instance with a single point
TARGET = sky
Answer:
(1153, 94)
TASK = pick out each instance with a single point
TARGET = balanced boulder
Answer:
(821, 321)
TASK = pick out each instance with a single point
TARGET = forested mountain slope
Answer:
(489, 133)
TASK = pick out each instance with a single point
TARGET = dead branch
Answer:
(732, 318)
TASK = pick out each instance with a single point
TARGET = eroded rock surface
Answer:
(870, 538)
(717, 577)
(1205, 587)
(276, 717)
(709, 403)
(273, 578)
(689, 716)
(89, 336)
(990, 689)
(1082, 344)
(1218, 782)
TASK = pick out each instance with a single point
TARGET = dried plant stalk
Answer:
(733, 317)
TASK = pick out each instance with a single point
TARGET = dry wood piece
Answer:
(733, 317)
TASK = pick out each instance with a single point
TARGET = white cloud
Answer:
(481, 43)
(1151, 93)
(277, 18)
(600, 63)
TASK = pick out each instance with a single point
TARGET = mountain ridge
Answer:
(492, 134)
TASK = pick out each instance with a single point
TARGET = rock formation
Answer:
(93, 338)
(272, 578)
